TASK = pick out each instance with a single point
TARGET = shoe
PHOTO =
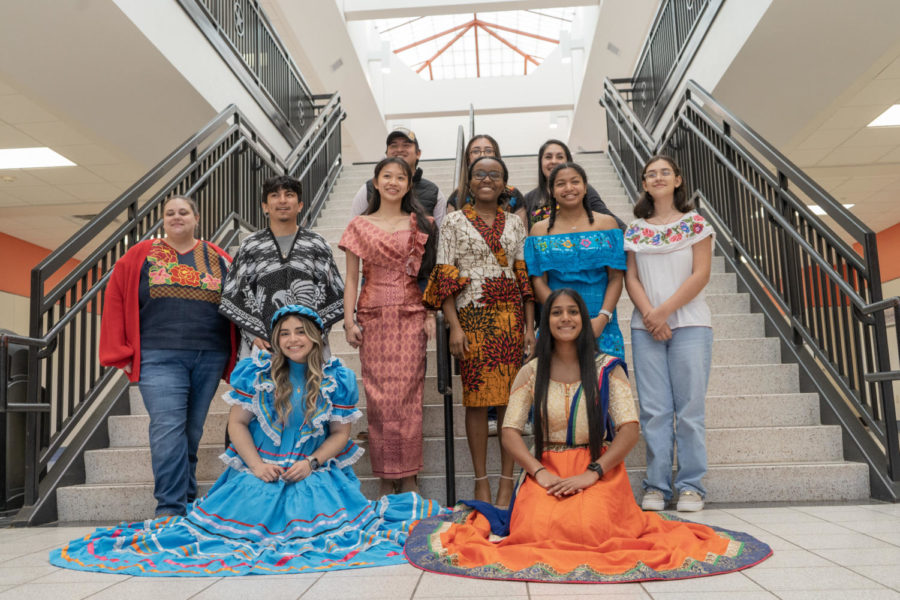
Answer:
(492, 426)
(653, 500)
(528, 429)
(689, 501)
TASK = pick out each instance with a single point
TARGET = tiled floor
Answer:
(821, 552)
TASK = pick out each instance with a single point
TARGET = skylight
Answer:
(32, 158)
(488, 44)
(889, 118)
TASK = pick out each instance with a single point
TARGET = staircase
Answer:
(764, 438)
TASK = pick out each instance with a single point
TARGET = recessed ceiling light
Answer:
(32, 158)
(889, 118)
(818, 210)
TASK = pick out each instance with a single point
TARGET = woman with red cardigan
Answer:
(162, 327)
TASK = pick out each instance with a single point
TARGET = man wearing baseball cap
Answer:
(402, 143)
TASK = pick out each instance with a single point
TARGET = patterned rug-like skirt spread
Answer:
(597, 536)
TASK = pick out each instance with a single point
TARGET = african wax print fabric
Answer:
(484, 268)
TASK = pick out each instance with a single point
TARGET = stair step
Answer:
(801, 482)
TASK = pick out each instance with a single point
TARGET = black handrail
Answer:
(677, 31)
(245, 39)
(822, 297)
(222, 167)
(445, 388)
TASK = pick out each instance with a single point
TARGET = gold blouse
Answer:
(559, 398)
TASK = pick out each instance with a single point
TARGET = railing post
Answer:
(445, 388)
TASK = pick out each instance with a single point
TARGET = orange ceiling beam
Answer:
(428, 62)
(511, 30)
(435, 36)
(512, 47)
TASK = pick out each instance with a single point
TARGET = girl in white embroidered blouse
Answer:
(669, 259)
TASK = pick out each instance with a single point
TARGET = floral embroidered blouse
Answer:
(481, 265)
(664, 258)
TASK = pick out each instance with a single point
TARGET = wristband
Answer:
(608, 314)
(596, 468)
(534, 475)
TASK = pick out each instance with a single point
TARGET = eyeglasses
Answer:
(489, 151)
(493, 175)
(655, 174)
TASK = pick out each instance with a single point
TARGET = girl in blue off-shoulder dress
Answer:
(579, 249)
(289, 501)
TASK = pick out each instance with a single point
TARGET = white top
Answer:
(665, 259)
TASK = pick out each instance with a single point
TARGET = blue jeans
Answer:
(177, 387)
(672, 378)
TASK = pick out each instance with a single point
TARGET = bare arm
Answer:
(238, 420)
(459, 345)
(688, 290)
(529, 328)
(615, 283)
(352, 331)
(540, 287)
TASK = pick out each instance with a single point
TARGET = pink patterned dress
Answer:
(392, 317)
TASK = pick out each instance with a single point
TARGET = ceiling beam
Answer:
(361, 10)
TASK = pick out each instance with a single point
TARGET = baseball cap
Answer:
(402, 132)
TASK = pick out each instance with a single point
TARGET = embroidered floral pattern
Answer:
(690, 229)
(168, 278)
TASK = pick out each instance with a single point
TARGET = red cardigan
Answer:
(120, 327)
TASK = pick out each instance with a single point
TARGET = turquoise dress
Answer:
(579, 261)
(245, 526)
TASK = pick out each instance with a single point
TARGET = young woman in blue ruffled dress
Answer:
(289, 501)
(579, 249)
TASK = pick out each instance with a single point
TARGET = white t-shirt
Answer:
(665, 259)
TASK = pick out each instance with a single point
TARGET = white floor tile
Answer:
(56, 591)
(850, 557)
(816, 527)
(838, 540)
(752, 595)
(730, 582)
(258, 587)
(809, 578)
(888, 576)
(433, 585)
(785, 559)
(774, 515)
(847, 594)
(330, 587)
(606, 591)
(405, 569)
(156, 588)
(73, 576)
(17, 575)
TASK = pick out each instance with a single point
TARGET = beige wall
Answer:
(14, 313)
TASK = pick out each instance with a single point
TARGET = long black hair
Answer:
(409, 205)
(503, 198)
(553, 203)
(644, 208)
(586, 347)
(544, 194)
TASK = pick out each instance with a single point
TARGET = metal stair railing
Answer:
(822, 297)
(68, 393)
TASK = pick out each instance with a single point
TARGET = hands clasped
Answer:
(270, 473)
(559, 487)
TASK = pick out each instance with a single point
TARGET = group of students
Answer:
(289, 500)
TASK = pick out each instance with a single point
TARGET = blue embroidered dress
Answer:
(245, 526)
(579, 261)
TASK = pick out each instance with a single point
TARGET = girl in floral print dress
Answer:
(669, 256)
(481, 283)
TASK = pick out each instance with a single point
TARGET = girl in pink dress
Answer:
(388, 322)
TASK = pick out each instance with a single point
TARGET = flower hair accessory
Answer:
(300, 311)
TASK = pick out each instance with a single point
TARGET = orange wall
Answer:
(888, 252)
(18, 258)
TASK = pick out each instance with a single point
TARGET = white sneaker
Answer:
(689, 501)
(492, 426)
(653, 500)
